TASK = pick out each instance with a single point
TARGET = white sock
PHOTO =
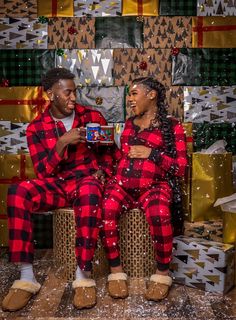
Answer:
(80, 274)
(27, 273)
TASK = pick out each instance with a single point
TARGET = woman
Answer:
(153, 156)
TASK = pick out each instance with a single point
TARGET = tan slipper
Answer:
(158, 287)
(85, 293)
(19, 295)
(117, 285)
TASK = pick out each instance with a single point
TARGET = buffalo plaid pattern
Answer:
(61, 182)
(205, 134)
(178, 7)
(25, 67)
(204, 67)
(143, 183)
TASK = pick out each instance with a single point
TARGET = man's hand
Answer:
(100, 175)
(139, 152)
(73, 136)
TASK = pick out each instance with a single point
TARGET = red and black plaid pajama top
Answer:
(61, 181)
(143, 183)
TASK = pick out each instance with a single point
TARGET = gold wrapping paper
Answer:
(3, 199)
(188, 129)
(140, 7)
(15, 167)
(229, 227)
(56, 8)
(3, 233)
(211, 230)
(211, 179)
(21, 104)
(214, 32)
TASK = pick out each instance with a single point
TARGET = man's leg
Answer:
(23, 199)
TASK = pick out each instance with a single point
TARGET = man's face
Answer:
(63, 98)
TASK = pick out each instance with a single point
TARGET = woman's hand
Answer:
(100, 175)
(139, 152)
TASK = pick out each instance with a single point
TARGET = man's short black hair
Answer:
(54, 75)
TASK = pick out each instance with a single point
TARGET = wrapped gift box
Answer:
(209, 177)
(134, 63)
(209, 230)
(13, 137)
(229, 227)
(204, 67)
(71, 33)
(205, 134)
(97, 9)
(140, 8)
(56, 8)
(118, 32)
(216, 8)
(210, 104)
(214, 32)
(21, 104)
(203, 264)
(18, 9)
(3, 231)
(110, 101)
(178, 8)
(28, 34)
(25, 67)
(188, 130)
(91, 67)
(167, 32)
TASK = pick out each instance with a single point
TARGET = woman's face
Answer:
(140, 98)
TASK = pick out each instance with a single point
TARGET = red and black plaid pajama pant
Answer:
(84, 195)
(155, 202)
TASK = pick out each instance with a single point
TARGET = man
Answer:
(70, 172)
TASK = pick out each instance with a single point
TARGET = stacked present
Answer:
(187, 45)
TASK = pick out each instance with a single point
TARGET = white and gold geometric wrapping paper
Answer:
(203, 264)
(209, 230)
(210, 104)
(23, 33)
(216, 8)
(13, 137)
(97, 8)
(91, 67)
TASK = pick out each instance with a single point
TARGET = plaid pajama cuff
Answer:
(178, 8)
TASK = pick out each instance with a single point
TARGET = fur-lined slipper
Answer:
(158, 287)
(85, 293)
(19, 295)
(117, 285)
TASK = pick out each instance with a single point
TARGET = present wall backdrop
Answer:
(187, 45)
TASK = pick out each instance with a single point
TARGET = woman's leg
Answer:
(88, 217)
(115, 201)
(156, 205)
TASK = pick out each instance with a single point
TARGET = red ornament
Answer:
(174, 51)
(143, 65)
(72, 31)
(4, 83)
